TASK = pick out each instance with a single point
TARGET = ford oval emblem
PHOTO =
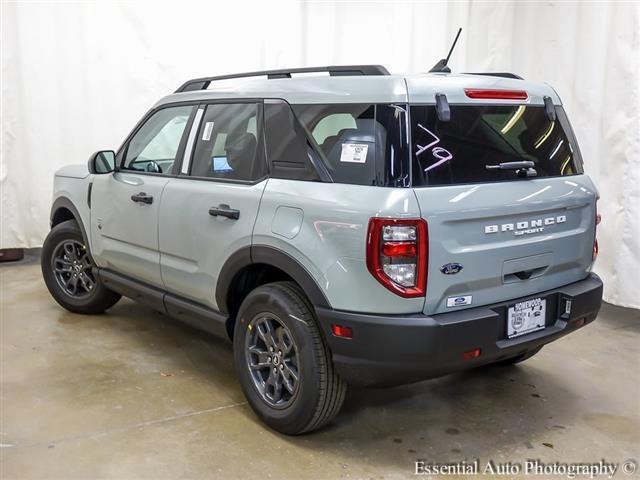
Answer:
(451, 268)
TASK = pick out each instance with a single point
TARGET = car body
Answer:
(387, 202)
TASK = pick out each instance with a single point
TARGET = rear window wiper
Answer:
(524, 168)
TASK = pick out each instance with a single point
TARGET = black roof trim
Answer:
(496, 74)
(334, 71)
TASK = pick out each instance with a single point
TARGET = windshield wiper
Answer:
(510, 165)
(524, 168)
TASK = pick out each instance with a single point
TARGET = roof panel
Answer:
(322, 89)
(364, 89)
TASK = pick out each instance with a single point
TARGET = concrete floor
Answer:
(133, 394)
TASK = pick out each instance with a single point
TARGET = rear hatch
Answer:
(500, 234)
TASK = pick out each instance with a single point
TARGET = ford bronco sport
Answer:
(345, 226)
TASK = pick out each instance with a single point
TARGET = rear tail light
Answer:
(397, 254)
(493, 94)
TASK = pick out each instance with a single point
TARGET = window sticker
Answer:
(208, 128)
(220, 164)
(354, 152)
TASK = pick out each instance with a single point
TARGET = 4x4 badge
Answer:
(451, 268)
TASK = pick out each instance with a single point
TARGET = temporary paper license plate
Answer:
(526, 317)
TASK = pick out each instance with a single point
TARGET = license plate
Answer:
(526, 317)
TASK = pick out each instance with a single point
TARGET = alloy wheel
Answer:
(72, 268)
(272, 358)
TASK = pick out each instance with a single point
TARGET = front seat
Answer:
(241, 152)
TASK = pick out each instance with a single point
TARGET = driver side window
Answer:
(154, 146)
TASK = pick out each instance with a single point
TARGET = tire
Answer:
(519, 358)
(66, 258)
(307, 402)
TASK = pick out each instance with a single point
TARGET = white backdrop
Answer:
(77, 76)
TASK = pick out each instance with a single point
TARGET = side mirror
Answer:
(101, 162)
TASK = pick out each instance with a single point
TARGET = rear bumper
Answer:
(393, 350)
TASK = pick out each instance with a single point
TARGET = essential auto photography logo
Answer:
(529, 467)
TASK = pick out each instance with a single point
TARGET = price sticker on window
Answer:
(354, 152)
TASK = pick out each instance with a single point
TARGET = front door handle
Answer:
(223, 210)
(142, 198)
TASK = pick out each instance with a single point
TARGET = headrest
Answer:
(364, 133)
(241, 147)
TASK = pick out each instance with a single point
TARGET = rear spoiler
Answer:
(496, 74)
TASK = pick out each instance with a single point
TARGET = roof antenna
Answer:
(441, 66)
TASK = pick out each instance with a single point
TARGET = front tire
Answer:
(283, 364)
(68, 272)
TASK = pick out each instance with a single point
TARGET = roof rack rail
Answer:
(335, 71)
(496, 74)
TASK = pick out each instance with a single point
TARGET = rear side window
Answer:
(458, 151)
(289, 152)
(360, 144)
(346, 136)
(228, 143)
(332, 125)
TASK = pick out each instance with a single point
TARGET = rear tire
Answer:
(69, 272)
(283, 364)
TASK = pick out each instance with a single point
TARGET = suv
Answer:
(342, 227)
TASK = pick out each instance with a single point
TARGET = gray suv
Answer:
(341, 226)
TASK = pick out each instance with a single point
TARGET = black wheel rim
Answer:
(272, 359)
(72, 268)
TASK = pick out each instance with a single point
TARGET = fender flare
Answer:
(64, 202)
(267, 255)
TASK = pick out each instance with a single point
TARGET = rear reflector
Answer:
(595, 239)
(475, 353)
(492, 94)
(340, 331)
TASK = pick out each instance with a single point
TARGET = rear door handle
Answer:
(142, 198)
(223, 210)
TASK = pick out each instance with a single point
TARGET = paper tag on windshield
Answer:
(354, 152)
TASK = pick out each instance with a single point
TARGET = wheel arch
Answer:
(257, 265)
(62, 210)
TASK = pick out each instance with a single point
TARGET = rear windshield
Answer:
(360, 144)
(458, 151)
